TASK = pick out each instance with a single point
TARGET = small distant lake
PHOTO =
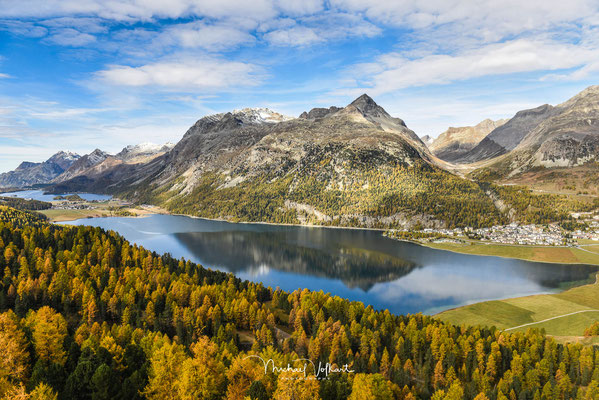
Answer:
(359, 265)
(39, 195)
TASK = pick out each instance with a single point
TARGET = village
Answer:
(587, 229)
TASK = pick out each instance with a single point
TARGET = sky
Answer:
(83, 74)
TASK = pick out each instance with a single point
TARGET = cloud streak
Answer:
(206, 73)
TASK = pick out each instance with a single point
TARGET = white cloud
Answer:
(23, 28)
(183, 75)
(317, 28)
(4, 76)
(304, 7)
(393, 71)
(491, 19)
(82, 24)
(132, 10)
(200, 35)
(295, 36)
(71, 37)
(65, 113)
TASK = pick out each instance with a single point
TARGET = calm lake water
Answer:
(359, 265)
(39, 195)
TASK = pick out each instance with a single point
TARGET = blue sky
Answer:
(81, 74)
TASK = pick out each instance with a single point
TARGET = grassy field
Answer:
(103, 209)
(535, 310)
(564, 255)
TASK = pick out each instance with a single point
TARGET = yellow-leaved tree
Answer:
(49, 329)
(13, 349)
(203, 376)
(370, 387)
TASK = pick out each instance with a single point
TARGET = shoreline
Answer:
(156, 210)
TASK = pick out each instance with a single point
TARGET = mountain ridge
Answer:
(31, 173)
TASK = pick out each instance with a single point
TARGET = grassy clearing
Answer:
(104, 209)
(530, 309)
(564, 255)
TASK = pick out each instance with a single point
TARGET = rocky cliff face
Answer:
(29, 173)
(455, 143)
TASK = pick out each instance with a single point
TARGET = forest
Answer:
(23, 204)
(86, 315)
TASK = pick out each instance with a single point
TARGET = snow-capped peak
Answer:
(146, 148)
(260, 115)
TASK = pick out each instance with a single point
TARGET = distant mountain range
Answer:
(65, 165)
(352, 165)
(566, 135)
(30, 173)
(456, 143)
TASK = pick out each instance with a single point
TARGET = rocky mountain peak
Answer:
(367, 106)
(589, 97)
(427, 140)
(26, 165)
(540, 110)
(319, 112)
(259, 116)
(64, 159)
(143, 149)
(233, 119)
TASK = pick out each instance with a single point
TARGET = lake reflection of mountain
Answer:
(238, 251)
(360, 265)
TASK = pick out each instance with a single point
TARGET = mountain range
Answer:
(65, 165)
(30, 173)
(352, 165)
(566, 135)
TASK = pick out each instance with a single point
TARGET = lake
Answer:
(39, 195)
(356, 264)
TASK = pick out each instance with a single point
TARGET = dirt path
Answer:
(549, 319)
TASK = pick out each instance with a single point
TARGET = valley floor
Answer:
(564, 315)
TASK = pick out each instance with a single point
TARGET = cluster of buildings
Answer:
(592, 233)
(550, 235)
(543, 235)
